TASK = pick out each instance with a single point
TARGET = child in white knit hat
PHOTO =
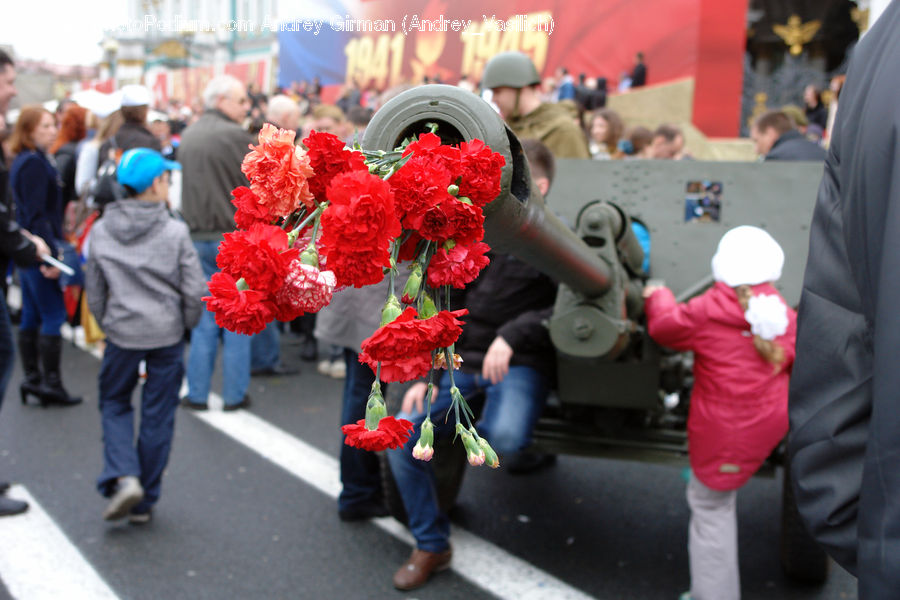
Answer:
(742, 334)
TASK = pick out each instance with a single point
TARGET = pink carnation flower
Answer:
(306, 289)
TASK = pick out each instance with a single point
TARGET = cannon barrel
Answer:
(517, 221)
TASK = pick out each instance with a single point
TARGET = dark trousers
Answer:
(42, 303)
(159, 400)
(360, 472)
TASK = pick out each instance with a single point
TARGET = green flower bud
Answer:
(490, 457)
(413, 284)
(391, 310)
(310, 256)
(474, 453)
(428, 308)
(241, 284)
(424, 448)
(426, 434)
(375, 409)
(453, 190)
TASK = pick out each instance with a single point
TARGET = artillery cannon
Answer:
(619, 395)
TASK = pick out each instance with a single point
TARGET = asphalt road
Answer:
(233, 524)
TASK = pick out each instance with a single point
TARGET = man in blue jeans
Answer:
(211, 153)
(507, 354)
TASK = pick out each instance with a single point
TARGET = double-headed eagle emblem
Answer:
(797, 33)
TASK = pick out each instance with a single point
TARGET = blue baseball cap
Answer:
(140, 166)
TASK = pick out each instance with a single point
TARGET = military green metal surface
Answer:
(776, 196)
(612, 378)
(509, 69)
(516, 221)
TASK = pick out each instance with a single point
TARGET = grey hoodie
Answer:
(144, 280)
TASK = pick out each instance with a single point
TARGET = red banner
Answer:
(385, 42)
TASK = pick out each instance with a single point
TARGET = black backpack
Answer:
(106, 188)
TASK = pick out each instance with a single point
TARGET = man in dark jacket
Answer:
(211, 153)
(134, 132)
(776, 138)
(639, 73)
(845, 415)
(507, 354)
(18, 245)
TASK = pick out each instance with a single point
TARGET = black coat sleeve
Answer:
(13, 244)
(845, 390)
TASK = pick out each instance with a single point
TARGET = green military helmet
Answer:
(510, 69)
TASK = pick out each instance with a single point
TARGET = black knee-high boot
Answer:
(28, 352)
(52, 390)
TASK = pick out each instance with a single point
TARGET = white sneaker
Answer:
(128, 493)
(338, 369)
(324, 367)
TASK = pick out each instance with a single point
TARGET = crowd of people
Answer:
(62, 209)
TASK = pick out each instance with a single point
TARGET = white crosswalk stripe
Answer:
(38, 562)
(475, 559)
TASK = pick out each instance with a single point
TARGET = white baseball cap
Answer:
(135, 95)
(98, 103)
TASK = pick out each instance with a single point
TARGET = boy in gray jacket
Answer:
(144, 283)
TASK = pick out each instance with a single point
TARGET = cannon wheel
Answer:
(449, 465)
(801, 557)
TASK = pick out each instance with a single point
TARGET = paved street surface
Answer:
(248, 511)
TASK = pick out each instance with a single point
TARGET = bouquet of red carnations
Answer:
(312, 222)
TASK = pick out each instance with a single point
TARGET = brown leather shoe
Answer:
(418, 568)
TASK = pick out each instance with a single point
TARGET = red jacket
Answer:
(738, 411)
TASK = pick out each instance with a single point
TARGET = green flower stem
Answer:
(310, 217)
(315, 231)
(453, 397)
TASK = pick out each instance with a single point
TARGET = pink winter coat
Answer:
(738, 412)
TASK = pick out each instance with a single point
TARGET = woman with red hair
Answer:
(72, 129)
(38, 197)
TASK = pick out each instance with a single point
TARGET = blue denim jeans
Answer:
(512, 407)
(159, 401)
(205, 344)
(42, 303)
(360, 471)
(7, 352)
(264, 347)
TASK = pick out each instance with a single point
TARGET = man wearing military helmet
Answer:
(513, 80)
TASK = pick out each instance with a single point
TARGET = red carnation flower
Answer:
(404, 336)
(430, 143)
(458, 266)
(358, 228)
(465, 221)
(249, 209)
(480, 169)
(260, 255)
(405, 344)
(399, 371)
(418, 186)
(426, 143)
(240, 311)
(391, 433)
(357, 269)
(329, 157)
(445, 327)
(278, 172)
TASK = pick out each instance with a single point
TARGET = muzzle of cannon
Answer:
(596, 265)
